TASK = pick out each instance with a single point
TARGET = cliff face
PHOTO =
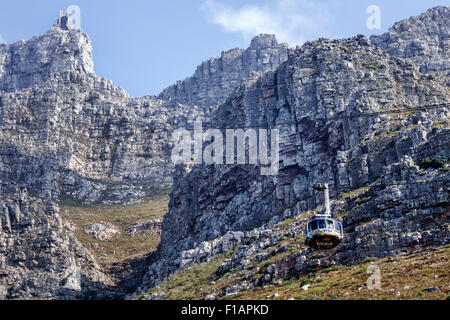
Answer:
(68, 134)
(63, 125)
(58, 135)
(215, 79)
(342, 134)
(40, 257)
(357, 118)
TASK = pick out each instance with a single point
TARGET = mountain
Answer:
(367, 116)
(351, 115)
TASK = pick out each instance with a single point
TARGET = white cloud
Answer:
(292, 21)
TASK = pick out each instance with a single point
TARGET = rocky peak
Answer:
(264, 41)
(424, 38)
(24, 64)
(215, 79)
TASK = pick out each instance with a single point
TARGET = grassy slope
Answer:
(402, 277)
(122, 246)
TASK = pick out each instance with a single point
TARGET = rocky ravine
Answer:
(367, 115)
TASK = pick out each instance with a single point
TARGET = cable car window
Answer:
(330, 224)
(313, 225)
(322, 224)
(339, 226)
(336, 226)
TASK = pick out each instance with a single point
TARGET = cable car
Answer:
(322, 231)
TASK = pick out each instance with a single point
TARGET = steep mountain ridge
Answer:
(68, 124)
(69, 135)
(215, 79)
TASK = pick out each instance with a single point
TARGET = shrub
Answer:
(369, 259)
(436, 162)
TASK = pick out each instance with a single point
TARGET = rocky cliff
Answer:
(25, 64)
(70, 135)
(425, 39)
(62, 124)
(40, 257)
(64, 128)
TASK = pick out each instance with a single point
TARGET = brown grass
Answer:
(403, 277)
(121, 246)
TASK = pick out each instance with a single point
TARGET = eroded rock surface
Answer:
(39, 255)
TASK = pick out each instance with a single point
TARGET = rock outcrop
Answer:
(25, 64)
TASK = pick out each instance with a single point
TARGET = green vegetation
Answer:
(372, 65)
(360, 270)
(352, 193)
(435, 162)
(364, 200)
(440, 124)
(369, 259)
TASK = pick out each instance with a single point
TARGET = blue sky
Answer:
(144, 46)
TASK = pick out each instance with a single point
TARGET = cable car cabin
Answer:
(324, 233)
